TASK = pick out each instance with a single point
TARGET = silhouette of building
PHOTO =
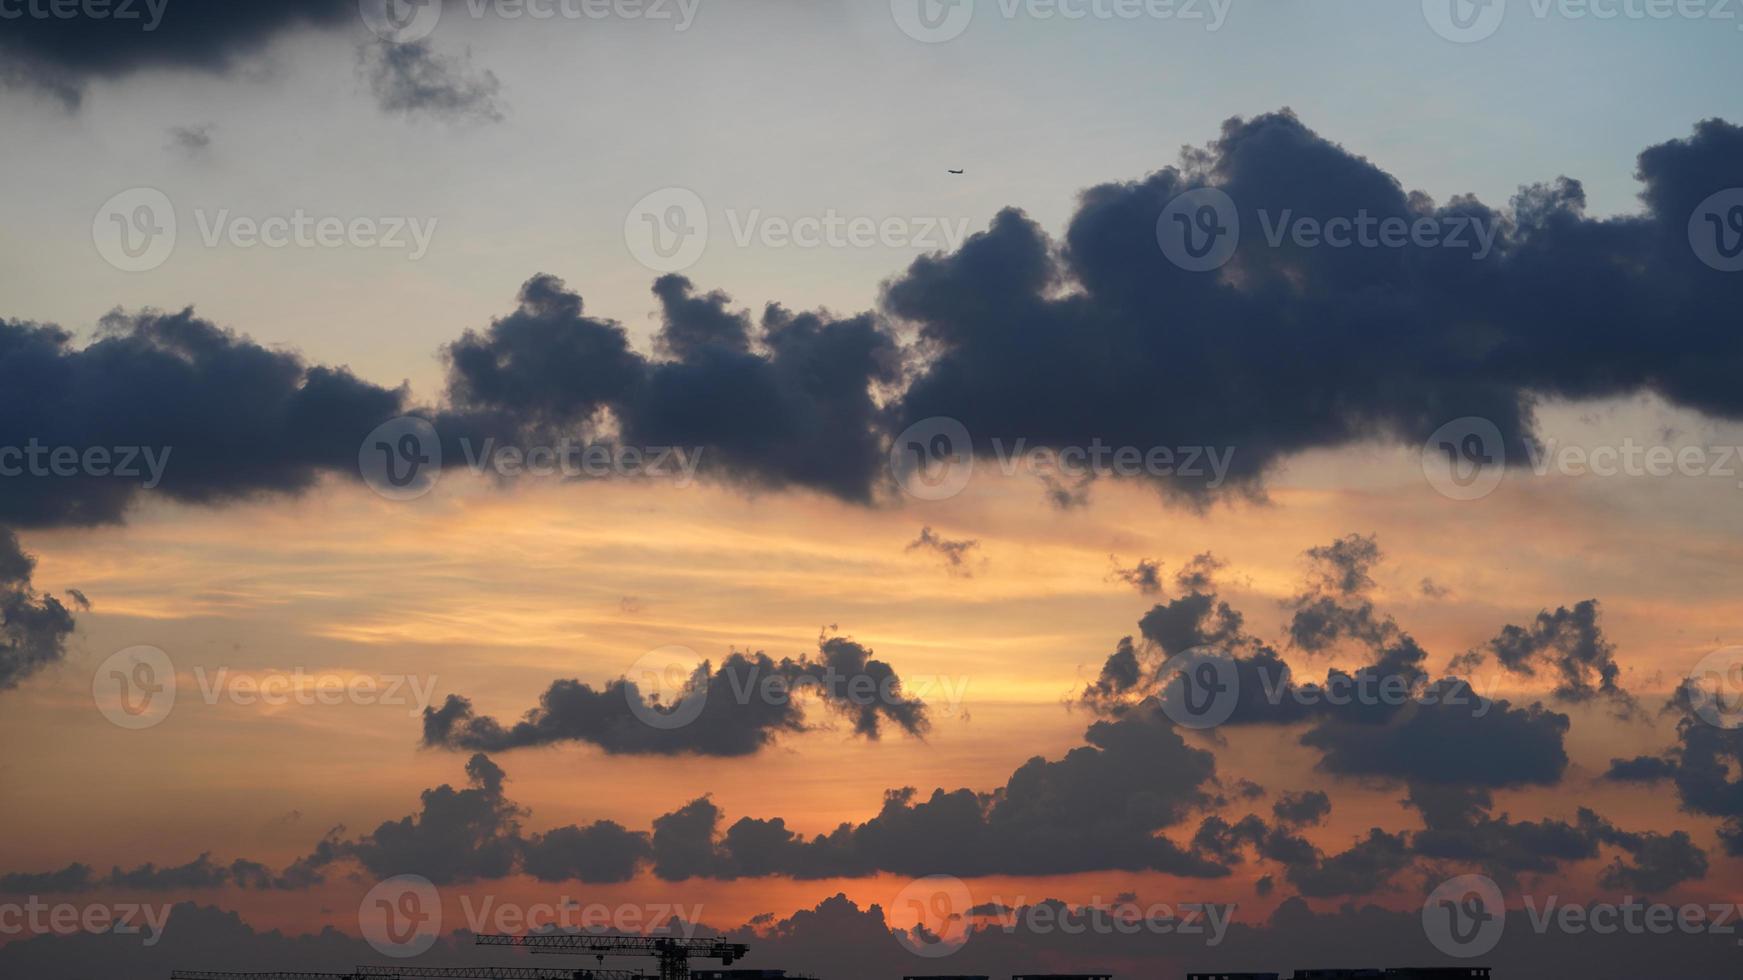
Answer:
(1390, 973)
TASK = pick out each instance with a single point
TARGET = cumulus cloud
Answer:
(412, 79)
(1145, 576)
(839, 938)
(1705, 765)
(1097, 318)
(33, 628)
(1102, 806)
(61, 54)
(954, 552)
(1570, 643)
(210, 416)
(811, 401)
(737, 710)
(789, 406)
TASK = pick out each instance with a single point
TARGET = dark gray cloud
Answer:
(1145, 576)
(1345, 566)
(1316, 330)
(1459, 830)
(191, 140)
(1641, 769)
(1452, 736)
(601, 852)
(955, 552)
(1100, 807)
(412, 79)
(61, 53)
(810, 400)
(1200, 573)
(200, 873)
(792, 408)
(1302, 809)
(1333, 607)
(1106, 805)
(1568, 642)
(459, 835)
(227, 418)
(1705, 765)
(838, 938)
(1387, 720)
(33, 628)
(736, 710)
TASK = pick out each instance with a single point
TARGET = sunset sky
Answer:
(1027, 625)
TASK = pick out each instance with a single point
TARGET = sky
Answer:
(825, 474)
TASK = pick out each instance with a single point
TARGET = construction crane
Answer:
(674, 954)
(442, 972)
(495, 973)
(270, 975)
